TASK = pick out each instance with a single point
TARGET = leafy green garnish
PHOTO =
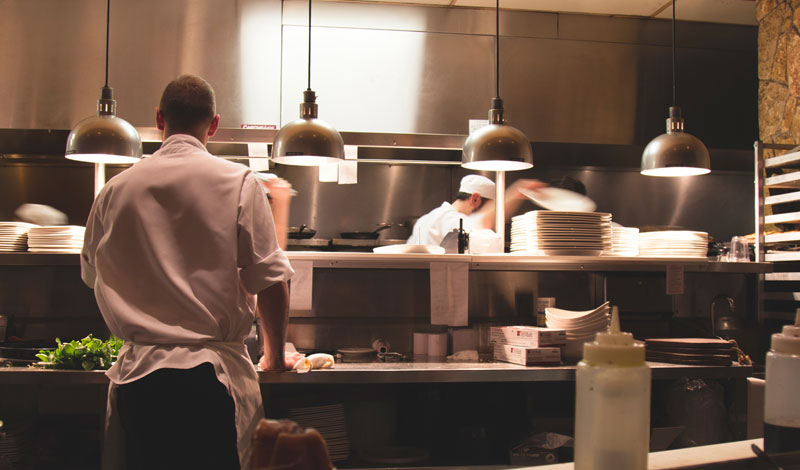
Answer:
(89, 353)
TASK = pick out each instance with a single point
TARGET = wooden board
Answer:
(691, 359)
(695, 343)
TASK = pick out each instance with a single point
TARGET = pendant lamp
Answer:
(497, 146)
(308, 141)
(104, 138)
(675, 153)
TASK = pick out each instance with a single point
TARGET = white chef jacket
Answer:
(431, 228)
(175, 248)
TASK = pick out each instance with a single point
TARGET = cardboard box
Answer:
(529, 336)
(525, 356)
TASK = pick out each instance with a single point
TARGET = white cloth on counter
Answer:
(431, 228)
(176, 247)
(314, 361)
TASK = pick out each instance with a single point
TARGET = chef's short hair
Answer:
(187, 103)
(462, 196)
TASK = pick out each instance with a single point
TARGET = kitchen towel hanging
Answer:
(301, 285)
(449, 294)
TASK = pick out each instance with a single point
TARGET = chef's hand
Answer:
(273, 366)
(513, 191)
(280, 191)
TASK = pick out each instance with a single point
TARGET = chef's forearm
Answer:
(273, 311)
(280, 214)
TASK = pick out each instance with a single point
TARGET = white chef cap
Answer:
(477, 184)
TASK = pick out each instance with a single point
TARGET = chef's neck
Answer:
(201, 136)
(202, 132)
(464, 206)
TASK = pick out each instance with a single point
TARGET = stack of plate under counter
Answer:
(528, 345)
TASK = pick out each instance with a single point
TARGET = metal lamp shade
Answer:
(675, 154)
(497, 147)
(104, 138)
(307, 142)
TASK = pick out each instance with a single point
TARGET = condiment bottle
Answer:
(612, 409)
(781, 404)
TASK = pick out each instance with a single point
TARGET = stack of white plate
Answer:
(624, 241)
(329, 420)
(561, 233)
(15, 445)
(673, 244)
(580, 326)
(55, 239)
(14, 236)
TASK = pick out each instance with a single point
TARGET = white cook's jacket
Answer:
(176, 247)
(431, 228)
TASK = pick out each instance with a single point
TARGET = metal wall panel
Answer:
(380, 68)
(54, 50)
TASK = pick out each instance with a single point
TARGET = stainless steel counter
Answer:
(504, 262)
(401, 372)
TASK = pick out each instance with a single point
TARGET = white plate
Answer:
(428, 249)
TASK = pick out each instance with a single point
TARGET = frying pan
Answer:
(24, 350)
(365, 235)
(301, 232)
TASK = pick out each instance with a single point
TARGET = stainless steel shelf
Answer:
(782, 256)
(785, 160)
(402, 372)
(39, 259)
(782, 237)
(786, 180)
(506, 262)
(782, 198)
(787, 218)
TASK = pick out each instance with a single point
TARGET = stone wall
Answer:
(779, 71)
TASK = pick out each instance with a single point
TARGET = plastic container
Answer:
(612, 411)
(781, 405)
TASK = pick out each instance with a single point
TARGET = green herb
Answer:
(89, 353)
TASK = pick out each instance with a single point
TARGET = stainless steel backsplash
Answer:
(589, 91)
(381, 68)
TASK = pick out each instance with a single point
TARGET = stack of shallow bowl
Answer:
(624, 241)
(14, 236)
(673, 244)
(579, 326)
(56, 239)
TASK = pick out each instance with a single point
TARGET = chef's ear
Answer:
(475, 200)
(159, 119)
(212, 129)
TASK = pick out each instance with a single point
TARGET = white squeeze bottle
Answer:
(612, 403)
(781, 399)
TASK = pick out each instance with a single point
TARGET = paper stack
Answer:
(528, 345)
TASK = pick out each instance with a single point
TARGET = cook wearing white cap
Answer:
(474, 205)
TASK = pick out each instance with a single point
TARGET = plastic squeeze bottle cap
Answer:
(788, 341)
(614, 347)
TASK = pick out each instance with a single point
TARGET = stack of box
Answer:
(528, 345)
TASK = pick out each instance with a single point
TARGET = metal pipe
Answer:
(500, 207)
(99, 177)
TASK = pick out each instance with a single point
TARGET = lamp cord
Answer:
(309, 44)
(674, 62)
(497, 49)
(108, 23)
